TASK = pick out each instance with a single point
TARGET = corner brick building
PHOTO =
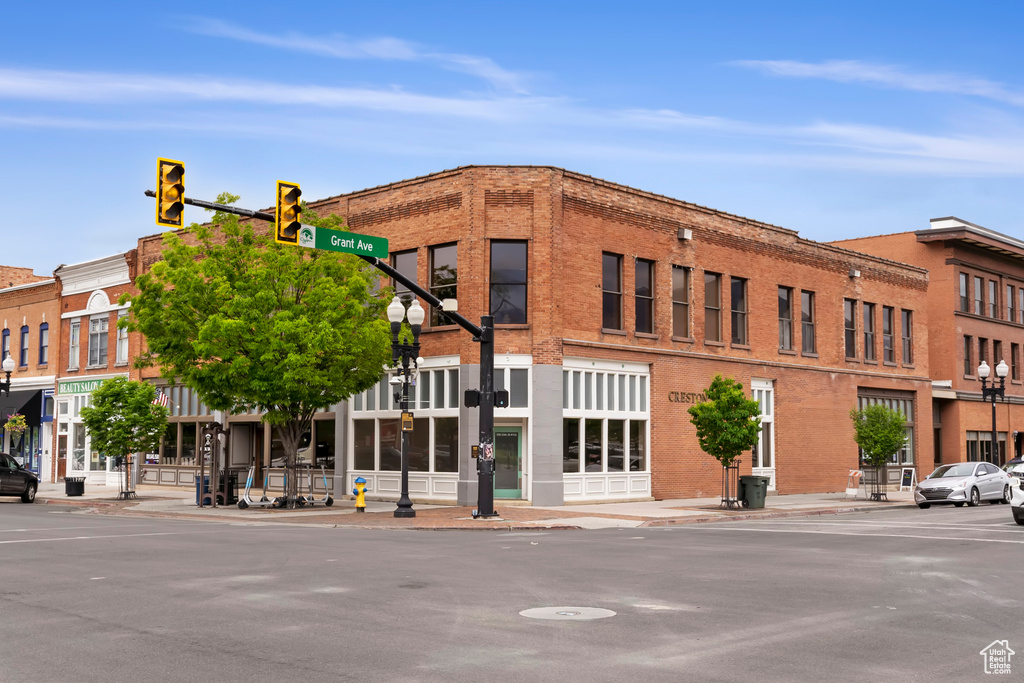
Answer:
(615, 308)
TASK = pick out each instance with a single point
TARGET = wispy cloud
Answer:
(108, 88)
(340, 46)
(886, 75)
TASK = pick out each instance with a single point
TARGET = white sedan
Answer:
(1016, 472)
(964, 482)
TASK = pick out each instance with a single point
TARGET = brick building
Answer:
(976, 313)
(615, 308)
(28, 308)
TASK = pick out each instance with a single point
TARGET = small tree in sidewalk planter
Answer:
(880, 432)
(727, 424)
(123, 419)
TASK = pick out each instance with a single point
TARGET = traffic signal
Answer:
(170, 192)
(289, 211)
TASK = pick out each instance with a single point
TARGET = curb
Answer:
(520, 525)
(77, 503)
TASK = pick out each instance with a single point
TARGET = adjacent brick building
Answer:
(28, 310)
(976, 313)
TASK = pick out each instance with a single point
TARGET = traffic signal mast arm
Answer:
(372, 260)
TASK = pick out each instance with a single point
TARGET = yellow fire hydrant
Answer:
(360, 493)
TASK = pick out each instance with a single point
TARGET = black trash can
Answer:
(74, 486)
(753, 490)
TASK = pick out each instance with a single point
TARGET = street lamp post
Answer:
(405, 354)
(990, 393)
(8, 367)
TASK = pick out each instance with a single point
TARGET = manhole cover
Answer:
(567, 613)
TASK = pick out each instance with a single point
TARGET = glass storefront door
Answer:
(508, 470)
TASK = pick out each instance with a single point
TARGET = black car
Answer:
(15, 480)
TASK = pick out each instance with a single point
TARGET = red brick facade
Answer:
(570, 220)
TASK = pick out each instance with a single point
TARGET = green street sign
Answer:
(345, 242)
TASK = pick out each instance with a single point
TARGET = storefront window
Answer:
(571, 445)
(446, 444)
(170, 456)
(365, 444)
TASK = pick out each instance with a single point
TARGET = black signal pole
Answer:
(484, 334)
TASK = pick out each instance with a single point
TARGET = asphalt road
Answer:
(902, 595)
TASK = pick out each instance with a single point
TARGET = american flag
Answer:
(161, 399)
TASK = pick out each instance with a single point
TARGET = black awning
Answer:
(29, 403)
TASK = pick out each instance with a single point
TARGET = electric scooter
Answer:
(311, 499)
(247, 501)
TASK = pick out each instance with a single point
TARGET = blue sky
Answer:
(833, 119)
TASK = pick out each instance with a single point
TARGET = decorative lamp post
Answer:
(990, 393)
(8, 367)
(407, 354)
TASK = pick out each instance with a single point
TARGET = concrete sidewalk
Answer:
(179, 503)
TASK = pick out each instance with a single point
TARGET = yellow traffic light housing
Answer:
(289, 213)
(170, 192)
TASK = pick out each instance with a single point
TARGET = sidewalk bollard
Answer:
(360, 493)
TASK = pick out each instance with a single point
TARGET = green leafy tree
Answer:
(880, 432)
(250, 323)
(122, 419)
(727, 422)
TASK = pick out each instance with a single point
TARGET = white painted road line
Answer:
(701, 527)
(89, 538)
(69, 528)
(1006, 527)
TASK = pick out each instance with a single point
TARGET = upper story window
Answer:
(44, 343)
(965, 295)
(979, 293)
(888, 350)
(786, 318)
(869, 332)
(122, 339)
(509, 282)
(738, 304)
(611, 287)
(99, 328)
(850, 327)
(644, 296)
(405, 263)
(74, 344)
(444, 275)
(808, 344)
(680, 302)
(23, 357)
(1015, 361)
(907, 329)
(5, 344)
(982, 350)
(712, 307)
(993, 300)
(1011, 302)
(968, 351)
(997, 351)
